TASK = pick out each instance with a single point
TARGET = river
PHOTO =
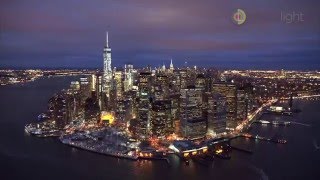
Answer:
(27, 157)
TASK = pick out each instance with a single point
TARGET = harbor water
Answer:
(27, 157)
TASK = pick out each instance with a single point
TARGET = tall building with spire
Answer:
(171, 65)
(163, 69)
(107, 71)
(171, 68)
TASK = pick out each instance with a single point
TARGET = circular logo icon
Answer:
(239, 17)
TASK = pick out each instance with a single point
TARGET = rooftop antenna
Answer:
(107, 39)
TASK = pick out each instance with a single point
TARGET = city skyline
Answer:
(151, 33)
(130, 89)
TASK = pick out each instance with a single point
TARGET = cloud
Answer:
(144, 31)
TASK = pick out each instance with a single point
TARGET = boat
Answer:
(264, 122)
(42, 117)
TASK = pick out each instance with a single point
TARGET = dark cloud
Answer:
(71, 33)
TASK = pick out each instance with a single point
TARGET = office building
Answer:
(193, 122)
(161, 119)
(217, 114)
(144, 104)
(230, 92)
(107, 71)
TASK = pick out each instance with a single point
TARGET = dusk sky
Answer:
(71, 33)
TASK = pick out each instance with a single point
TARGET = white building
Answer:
(107, 71)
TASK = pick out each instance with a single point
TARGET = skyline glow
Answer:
(71, 34)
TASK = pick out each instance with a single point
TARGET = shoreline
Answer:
(246, 127)
(102, 153)
(132, 158)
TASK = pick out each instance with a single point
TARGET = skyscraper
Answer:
(144, 105)
(171, 68)
(57, 108)
(118, 84)
(230, 92)
(107, 72)
(193, 123)
(161, 120)
(85, 89)
(161, 87)
(93, 82)
(128, 77)
(241, 104)
(217, 113)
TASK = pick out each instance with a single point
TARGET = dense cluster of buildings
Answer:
(189, 102)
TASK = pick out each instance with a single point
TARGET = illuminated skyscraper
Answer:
(171, 68)
(99, 91)
(241, 105)
(230, 92)
(118, 84)
(183, 79)
(144, 105)
(193, 123)
(93, 82)
(161, 87)
(163, 69)
(57, 107)
(161, 120)
(217, 113)
(107, 72)
(85, 89)
(128, 77)
(249, 98)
